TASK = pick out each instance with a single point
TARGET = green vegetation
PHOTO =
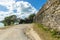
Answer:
(10, 20)
(27, 20)
(31, 17)
(46, 33)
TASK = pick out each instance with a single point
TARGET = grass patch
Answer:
(46, 33)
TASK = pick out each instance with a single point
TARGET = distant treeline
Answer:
(11, 20)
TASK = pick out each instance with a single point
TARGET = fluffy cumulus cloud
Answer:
(21, 9)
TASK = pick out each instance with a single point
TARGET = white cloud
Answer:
(21, 8)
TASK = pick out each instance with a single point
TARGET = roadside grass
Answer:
(46, 33)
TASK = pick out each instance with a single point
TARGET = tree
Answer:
(31, 18)
(10, 20)
(27, 20)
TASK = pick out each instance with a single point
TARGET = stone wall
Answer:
(49, 15)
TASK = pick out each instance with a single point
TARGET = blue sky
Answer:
(36, 3)
(20, 8)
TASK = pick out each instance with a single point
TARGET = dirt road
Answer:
(15, 32)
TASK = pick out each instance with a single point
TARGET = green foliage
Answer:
(22, 21)
(27, 20)
(31, 17)
(43, 27)
(53, 32)
(9, 20)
